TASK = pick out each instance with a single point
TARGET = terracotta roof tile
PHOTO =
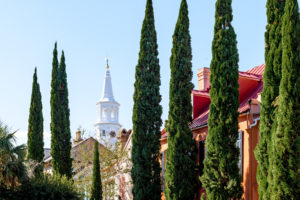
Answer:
(258, 70)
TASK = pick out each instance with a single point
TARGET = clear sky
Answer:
(88, 31)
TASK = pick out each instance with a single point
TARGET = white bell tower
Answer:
(107, 125)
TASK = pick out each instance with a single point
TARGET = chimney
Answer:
(254, 106)
(203, 78)
(78, 137)
(123, 137)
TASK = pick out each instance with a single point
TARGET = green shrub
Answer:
(45, 188)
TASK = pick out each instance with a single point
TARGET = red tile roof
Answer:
(244, 105)
(258, 70)
(250, 76)
(200, 120)
(164, 135)
(204, 93)
(253, 74)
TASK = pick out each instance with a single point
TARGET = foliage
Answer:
(33, 168)
(113, 162)
(180, 165)
(271, 78)
(66, 132)
(285, 183)
(12, 169)
(56, 117)
(43, 188)
(96, 193)
(146, 117)
(221, 177)
(35, 141)
(60, 122)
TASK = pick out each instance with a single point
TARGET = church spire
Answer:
(107, 125)
(107, 94)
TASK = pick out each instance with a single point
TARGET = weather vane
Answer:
(107, 59)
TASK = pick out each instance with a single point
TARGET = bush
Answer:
(48, 187)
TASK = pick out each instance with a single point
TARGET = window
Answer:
(201, 156)
(239, 144)
(103, 132)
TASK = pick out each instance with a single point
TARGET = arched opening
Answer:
(112, 134)
(104, 114)
(112, 114)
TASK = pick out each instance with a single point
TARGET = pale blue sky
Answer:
(88, 31)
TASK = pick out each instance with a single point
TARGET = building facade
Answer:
(107, 125)
(250, 87)
(123, 177)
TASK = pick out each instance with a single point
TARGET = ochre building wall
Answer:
(250, 137)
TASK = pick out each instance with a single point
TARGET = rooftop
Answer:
(251, 85)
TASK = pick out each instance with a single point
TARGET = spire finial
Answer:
(107, 65)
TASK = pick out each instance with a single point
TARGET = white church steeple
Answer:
(107, 125)
(107, 94)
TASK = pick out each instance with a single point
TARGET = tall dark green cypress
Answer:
(147, 115)
(35, 141)
(180, 166)
(60, 122)
(65, 136)
(271, 78)
(96, 190)
(221, 177)
(56, 117)
(286, 155)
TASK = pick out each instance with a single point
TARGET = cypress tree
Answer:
(96, 191)
(35, 141)
(286, 155)
(180, 166)
(271, 78)
(56, 117)
(65, 135)
(147, 115)
(221, 177)
(60, 122)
